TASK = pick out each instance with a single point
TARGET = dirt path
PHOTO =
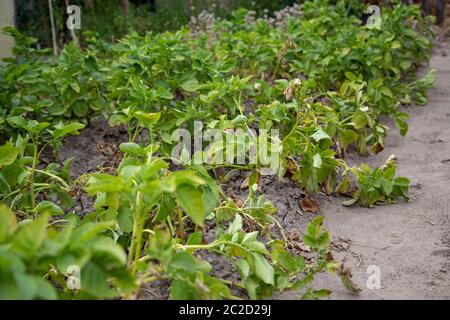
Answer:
(410, 242)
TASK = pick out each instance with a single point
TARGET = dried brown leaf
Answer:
(308, 204)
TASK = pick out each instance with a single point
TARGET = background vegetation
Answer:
(112, 19)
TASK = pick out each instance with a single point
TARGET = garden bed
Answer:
(145, 199)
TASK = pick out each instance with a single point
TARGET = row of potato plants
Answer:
(313, 72)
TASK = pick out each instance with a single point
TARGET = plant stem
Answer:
(294, 127)
(136, 242)
(138, 228)
(180, 222)
(33, 169)
(132, 246)
(55, 177)
(212, 245)
(233, 284)
(201, 246)
(169, 224)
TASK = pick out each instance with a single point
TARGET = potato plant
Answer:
(21, 178)
(323, 88)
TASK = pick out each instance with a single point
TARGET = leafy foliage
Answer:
(36, 257)
(324, 88)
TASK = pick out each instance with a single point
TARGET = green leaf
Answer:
(50, 208)
(133, 149)
(17, 122)
(179, 178)
(239, 120)
(315, 237)
(209, 200)
(402, 181)
(58, 109)
(302, 283)
(107, 246)
(263, 269)
(402, 126)
(347, 136)
(63, 130)
(320, 135)
(243, 268)
(350, 75)
(195, 238)
(236, 225)
(191, 200)
(125, 219)
(183, 261)
(30, 237)
(387, 186)
(386, 91)
(322, 293)
(317, 161)
(285, 259)
(166, 205)
(257, 246)
(80, 108)
(252, 285)
(8, 154)
(396, 44)
(89, 230)
(75, 86)
(147, 119)
(191, 85)
(180, 290)
(359, 120)
(249, 237)
(94, 280)
(101, 182)
(44, 290)
(7, 223)
(308, 295)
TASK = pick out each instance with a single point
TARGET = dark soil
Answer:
(95, 149)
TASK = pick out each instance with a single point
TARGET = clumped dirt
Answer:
(408, 241)
(95, 147)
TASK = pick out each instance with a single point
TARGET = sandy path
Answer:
(410, 242)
